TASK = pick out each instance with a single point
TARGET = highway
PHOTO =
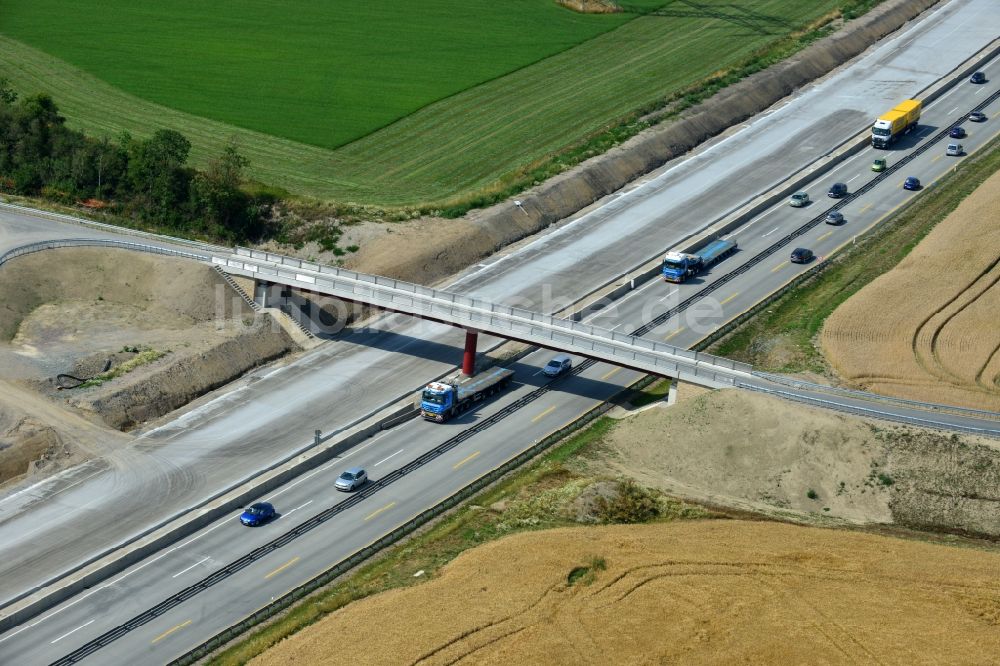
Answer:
(316, 377)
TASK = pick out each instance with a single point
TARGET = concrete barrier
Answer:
(650, 268)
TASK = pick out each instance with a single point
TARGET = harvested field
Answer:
(928, 329)
(701, 592)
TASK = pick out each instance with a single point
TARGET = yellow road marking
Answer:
(462, 462)
(609, 373)
(674, 333)
(730, 298)
(937, 158)
(777, 268)
(283, 567)
(170, 631)
(543, 414)
(866, 207)
(383, 509)
(824, 236)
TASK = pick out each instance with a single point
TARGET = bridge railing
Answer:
(475, 312)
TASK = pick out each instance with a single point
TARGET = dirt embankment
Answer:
(928, 329)
(414, 251)
(700, 592)
(150, 332)
(759, 453)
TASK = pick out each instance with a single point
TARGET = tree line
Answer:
(144, 179)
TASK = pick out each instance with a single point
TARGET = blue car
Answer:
(257, 514)
(978, 77)
(911, 183)
(957, 133)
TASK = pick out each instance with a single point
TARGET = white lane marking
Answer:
(36, 485)
(202, 560)
(979, 91)
(400, 451)
(855, 178)
(326, 467)
(747, 226)
(771, 232)
(193, 539)
(952, 111)
(15, 633)
(670, 294)
(288, 513)
(72, 632)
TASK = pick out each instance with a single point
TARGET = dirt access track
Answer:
(699, 592)
(171, 328)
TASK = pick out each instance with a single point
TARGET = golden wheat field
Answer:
(722, 592)
(930, 328)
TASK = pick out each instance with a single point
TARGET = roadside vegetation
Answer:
(144, 180)
(467, 149)
(551, 492)
(783, 337)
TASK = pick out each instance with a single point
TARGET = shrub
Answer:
(632, 504)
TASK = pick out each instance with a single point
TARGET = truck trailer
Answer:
(679, 266)
(897, 122)
(443, 399)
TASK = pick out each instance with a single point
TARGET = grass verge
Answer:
(540, 496)
(782, 338)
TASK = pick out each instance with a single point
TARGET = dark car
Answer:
(977, 116)
(911, 183)
(351, 479)
(957, 133)
(978, 77)
(801, 255)
(257, 514)
(837, 190)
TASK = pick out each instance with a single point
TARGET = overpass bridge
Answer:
(546, 331)
(477, 315)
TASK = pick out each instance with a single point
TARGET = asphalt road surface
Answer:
(260, 421)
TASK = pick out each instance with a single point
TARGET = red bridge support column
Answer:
(469, 358)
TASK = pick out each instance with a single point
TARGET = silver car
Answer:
(834, 217)
(558, 365)
(799, 199)
(351, 479)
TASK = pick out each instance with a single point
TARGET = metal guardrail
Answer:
(791, 382)
(367, 491)
(31, 248)
(111, 228)
(476, 313)
(877, 413)
(359, 556)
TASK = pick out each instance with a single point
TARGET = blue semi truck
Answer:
(448, 397)
(679, 266)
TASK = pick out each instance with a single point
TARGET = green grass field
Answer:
(462, 143)
(322, 73)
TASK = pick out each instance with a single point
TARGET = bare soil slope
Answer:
(701, 592)
(759, 453)
(930, 328)
(83, 311)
